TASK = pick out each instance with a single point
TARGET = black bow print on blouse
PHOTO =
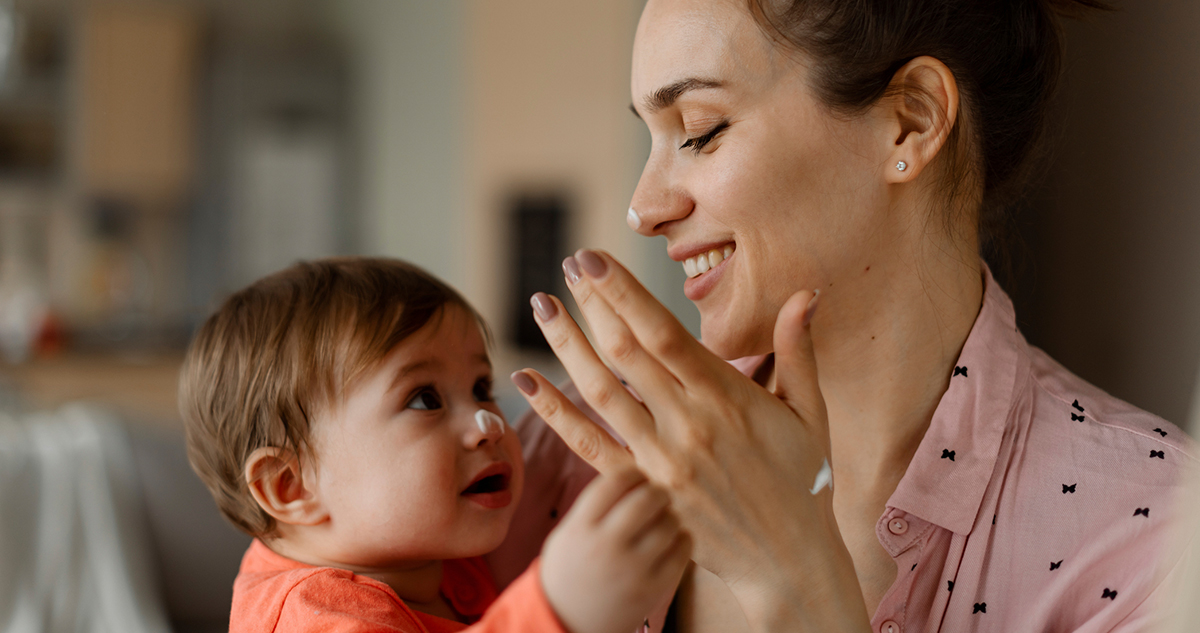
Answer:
(1077, 407)
(1054, 566)
(1070, 488)
(947, 454)
(1109, 593)
(980, 607)
(1158, 454)
(1161, 432)
(949, 585)
(1142, 511)
(960, 371)
(1077, 418)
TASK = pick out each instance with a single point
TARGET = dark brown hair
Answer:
(1005, 56)
(282, 348)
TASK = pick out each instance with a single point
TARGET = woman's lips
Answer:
(697, 287)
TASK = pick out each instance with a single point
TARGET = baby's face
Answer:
(402, 466)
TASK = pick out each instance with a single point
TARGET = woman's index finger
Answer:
(652, 324)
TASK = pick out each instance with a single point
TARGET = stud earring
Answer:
(901, 166)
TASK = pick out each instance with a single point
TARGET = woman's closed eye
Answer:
(697, 143)
(426, 399)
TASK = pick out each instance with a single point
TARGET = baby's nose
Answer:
(489, 428)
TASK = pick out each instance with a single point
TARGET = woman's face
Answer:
(746, 161)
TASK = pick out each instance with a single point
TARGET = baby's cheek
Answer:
(512, 448)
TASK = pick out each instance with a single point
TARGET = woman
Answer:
(860, 149)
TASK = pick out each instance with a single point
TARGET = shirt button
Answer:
(889, 627)
(897, 526)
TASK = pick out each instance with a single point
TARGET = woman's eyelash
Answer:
(698, 143)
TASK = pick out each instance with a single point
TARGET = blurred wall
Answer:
(1116, 238)
(408, 75)
(548, 94)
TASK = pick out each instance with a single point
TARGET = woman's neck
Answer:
(885, 350)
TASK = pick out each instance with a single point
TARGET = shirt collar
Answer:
(946, 480)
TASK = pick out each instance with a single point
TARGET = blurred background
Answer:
(157, 154)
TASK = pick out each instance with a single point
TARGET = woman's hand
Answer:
(739, 462)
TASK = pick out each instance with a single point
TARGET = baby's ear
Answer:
(278, 486)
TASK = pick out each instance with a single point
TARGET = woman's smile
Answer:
(705, 269)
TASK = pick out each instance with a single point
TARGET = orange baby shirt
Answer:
(273, 593)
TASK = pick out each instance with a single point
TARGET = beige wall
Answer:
(548, 88)
(406, 58)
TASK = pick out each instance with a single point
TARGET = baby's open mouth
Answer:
(491, 483)
(490, 488)
(494, 478)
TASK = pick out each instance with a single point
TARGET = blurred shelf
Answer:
(140, 387)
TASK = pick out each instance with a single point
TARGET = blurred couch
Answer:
(196, 551)
(104, 527)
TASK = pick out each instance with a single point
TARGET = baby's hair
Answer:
(279, 350)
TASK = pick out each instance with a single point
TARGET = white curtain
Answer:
(74, 553)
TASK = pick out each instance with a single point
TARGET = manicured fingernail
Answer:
(545, 308)
(810, 309)
(633, 219)
(524, 383)
(591, 263)
(571, 270)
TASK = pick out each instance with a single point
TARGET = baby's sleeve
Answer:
(521, 608)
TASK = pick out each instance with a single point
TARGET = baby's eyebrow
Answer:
(404, 370)
(485, 359)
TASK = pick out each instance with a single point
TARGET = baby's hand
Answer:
(615, 556)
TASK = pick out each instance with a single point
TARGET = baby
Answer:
(341, 412)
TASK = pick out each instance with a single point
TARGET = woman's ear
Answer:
(922, 109)
(278, 485)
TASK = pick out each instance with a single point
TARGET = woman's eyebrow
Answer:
(667, 95)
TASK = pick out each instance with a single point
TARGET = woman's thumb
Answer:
(795, 364)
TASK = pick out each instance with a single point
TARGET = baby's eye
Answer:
(425, 400)
(482, 390)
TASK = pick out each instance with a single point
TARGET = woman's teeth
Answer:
(704, 262)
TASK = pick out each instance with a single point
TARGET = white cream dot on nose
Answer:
(633, 219)
(489, 423)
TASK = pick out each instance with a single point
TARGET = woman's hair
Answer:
(282, 349)
(1005, 56)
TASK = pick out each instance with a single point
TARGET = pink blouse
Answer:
(1035, 502)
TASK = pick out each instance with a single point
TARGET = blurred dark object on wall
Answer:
(537, 242)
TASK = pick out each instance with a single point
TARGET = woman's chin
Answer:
(729, 342)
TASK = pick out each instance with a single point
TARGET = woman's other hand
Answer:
(740, 463)
(619, 552)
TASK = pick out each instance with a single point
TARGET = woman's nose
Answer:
(488, 428)
(656, 201)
